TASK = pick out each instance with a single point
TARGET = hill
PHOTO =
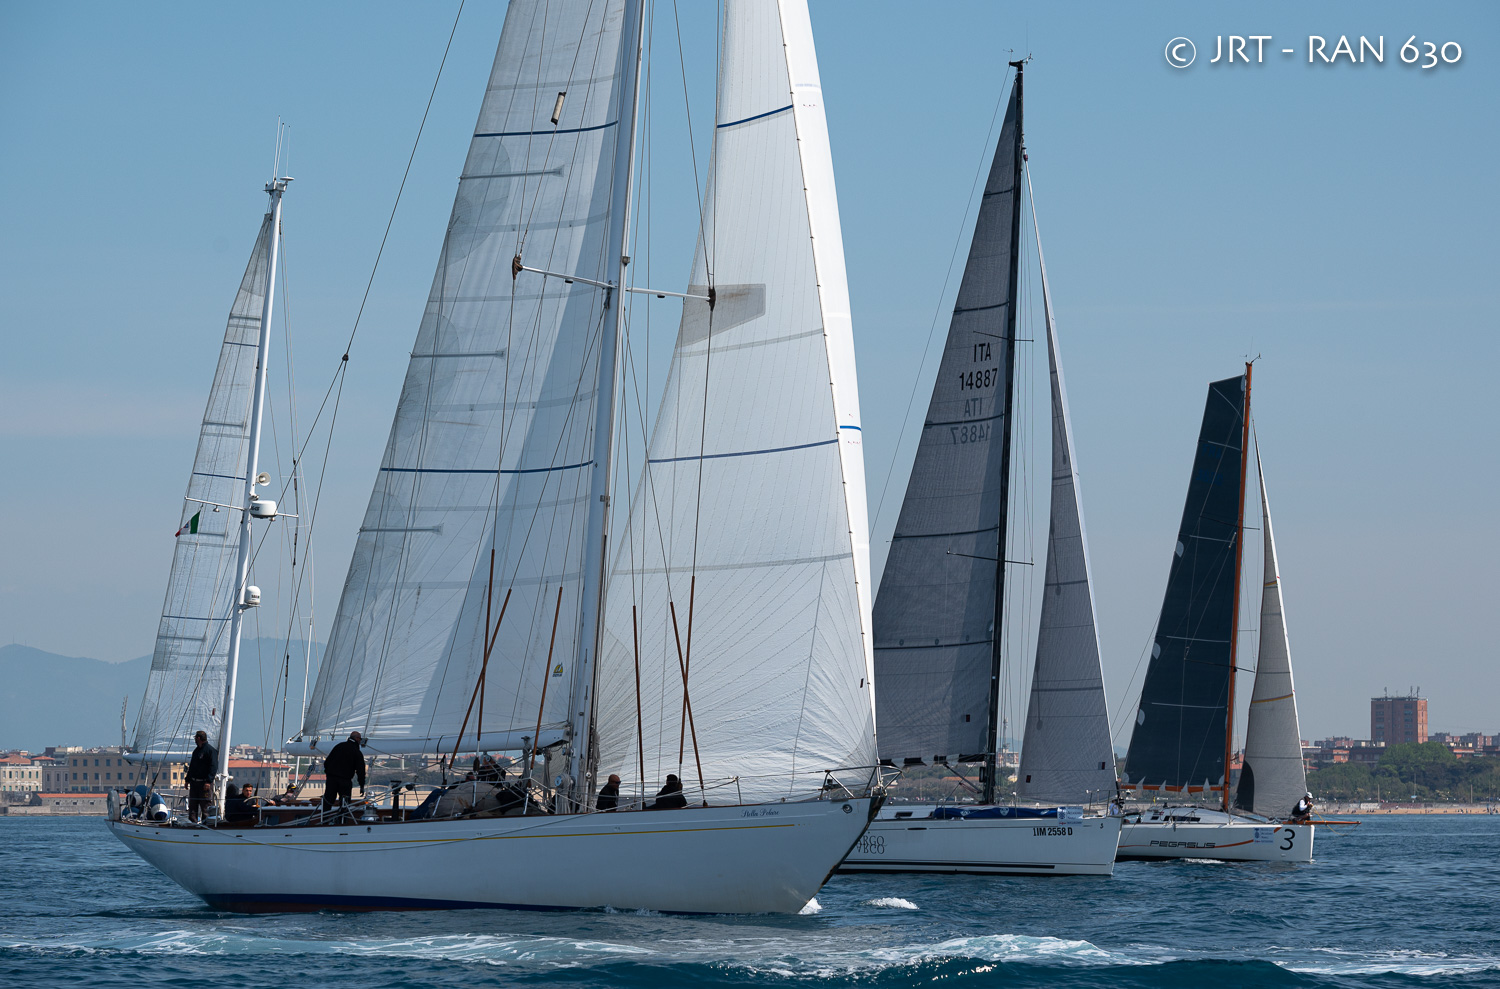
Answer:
(47, 699)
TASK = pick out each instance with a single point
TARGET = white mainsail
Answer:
(749, 519)
(1274, 777)
(1066, 756)
(491, 448)
(185, 688)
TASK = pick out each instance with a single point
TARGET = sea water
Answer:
(1398, 901)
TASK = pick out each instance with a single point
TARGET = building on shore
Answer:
(78, 770)
(1394, 720)
(19, 773)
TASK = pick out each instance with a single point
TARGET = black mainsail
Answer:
(1182, 723)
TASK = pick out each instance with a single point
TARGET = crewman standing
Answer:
(344, 763)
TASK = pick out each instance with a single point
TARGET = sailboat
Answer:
(939, 616)
(488, 607)
(1184, 726)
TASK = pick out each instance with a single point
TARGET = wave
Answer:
(892, 903)
(822, 956)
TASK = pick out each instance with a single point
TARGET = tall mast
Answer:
(1239, 552)
(997, 644)
(275, 188)
(596, 538)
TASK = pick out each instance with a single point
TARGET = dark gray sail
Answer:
(1182, 720)
(934, 618)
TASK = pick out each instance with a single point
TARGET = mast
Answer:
(275, 188)
(997, 645)
(1239, 553)
(596, 539)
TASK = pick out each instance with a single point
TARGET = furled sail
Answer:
(1066, 756)
(749, 520)
(935, 614)
(1182, 719)
(480, 504)
(185, 688)
(1274, 777)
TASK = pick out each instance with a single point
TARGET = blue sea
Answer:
(1399, 901)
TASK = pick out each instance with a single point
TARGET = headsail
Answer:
(935, 617)
(185, 688)
(1274, 777)
(491, 445)
(1182, 719)
(755, 477)
(1066, 756)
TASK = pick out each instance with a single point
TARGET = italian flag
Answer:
(191, 525)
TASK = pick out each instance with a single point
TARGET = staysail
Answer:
(1273, 778)
(475, 529)
(935, 616)
(185, 688)
(1181, 723)
(748, 522)
(1066, 756)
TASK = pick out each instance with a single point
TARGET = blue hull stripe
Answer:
(308, 902)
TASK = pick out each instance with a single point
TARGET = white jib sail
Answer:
(492, 441)
(755, 476)
(1066, 755)
(1273, 769)
(185, 688)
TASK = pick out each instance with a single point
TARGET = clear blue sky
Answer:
(1338, 220)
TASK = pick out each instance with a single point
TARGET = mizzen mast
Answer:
(245, 596)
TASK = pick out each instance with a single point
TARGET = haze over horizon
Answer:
(1335, 220)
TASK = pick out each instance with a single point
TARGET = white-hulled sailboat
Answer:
(939, 616)
(1184, 726)
(483, 585)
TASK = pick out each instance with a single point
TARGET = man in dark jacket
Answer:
(344, 762)
(200, 777)
(609, 794)
(669, 797)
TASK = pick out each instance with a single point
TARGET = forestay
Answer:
(490, 450)
(1274, 777)
(755, 477)
(1066, 756)
(935, 615)
(1181, 721)
(185, 688)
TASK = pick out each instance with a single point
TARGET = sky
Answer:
(1337, 220)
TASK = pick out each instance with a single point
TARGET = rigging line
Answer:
(552, 137)
(963, 224)
(687, 106)
(536, 739)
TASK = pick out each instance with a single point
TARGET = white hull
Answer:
(769, 858)
(1214, 835)
(994, 846)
